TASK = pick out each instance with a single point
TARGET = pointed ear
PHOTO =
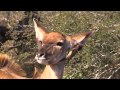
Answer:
(79, 38)
(39, 30)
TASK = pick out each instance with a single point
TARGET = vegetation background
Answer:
(100, 57)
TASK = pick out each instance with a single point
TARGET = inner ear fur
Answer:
(79, 38)
(39, 30)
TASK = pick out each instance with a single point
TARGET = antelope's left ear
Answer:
(79, 38)
(39, 30)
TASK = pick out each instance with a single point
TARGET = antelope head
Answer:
(53, 46)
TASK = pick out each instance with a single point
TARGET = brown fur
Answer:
(10, 69)
(53, 37)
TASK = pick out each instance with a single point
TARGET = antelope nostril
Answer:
(42, 54)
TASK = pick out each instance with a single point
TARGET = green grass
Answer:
(100, 56)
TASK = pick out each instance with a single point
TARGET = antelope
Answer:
(54, 49)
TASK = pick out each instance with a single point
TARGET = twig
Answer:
(113, 73)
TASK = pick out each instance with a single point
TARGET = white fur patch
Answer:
(39, 59)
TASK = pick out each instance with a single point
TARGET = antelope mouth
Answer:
(41, 60)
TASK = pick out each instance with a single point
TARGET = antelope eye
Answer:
(60, 43)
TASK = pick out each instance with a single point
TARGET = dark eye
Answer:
(60, 43)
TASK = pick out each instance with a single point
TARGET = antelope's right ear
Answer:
(39, 30)
(79, 38)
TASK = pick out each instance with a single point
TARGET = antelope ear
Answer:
(79, 38)
(39, 30)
